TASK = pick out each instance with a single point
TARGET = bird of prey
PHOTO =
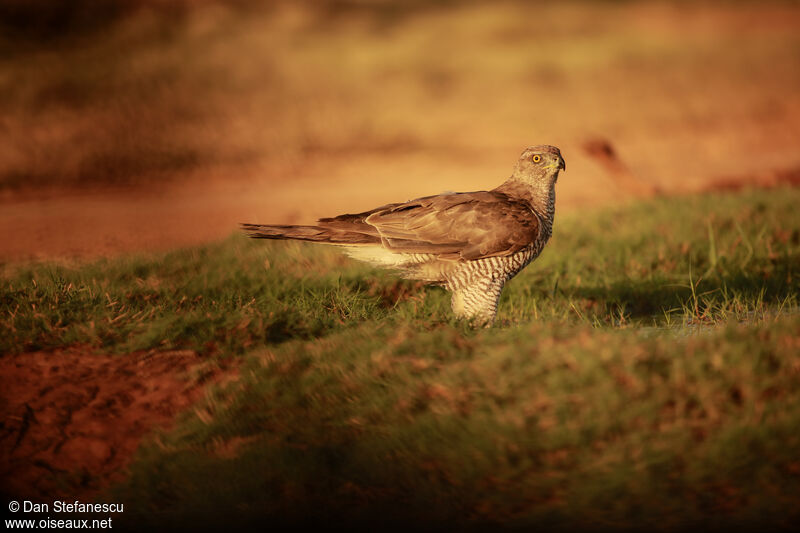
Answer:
(471, 243)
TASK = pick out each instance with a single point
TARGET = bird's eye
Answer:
(537, 158)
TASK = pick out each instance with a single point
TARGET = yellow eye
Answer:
(537, 158)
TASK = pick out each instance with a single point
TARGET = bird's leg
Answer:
(477, 301)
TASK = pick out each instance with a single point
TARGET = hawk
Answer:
(471, 243)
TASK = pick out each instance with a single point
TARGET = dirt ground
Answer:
(83, 225)
(284, 115)
(71, 420)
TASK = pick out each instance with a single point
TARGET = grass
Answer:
(677, 262)
(544, 426)
(643, 374)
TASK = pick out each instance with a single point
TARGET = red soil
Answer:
(72, 420)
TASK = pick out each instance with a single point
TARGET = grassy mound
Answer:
(643, 374)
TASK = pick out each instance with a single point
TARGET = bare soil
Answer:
(71, 420)
(86, 224)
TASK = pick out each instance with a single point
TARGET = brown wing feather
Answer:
(462, 226)
(465, 225)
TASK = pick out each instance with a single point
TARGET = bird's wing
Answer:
(455, 226)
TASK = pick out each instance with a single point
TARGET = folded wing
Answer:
(463, 226)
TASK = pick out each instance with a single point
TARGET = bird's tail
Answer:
(308, 233)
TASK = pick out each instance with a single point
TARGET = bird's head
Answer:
(539, 166)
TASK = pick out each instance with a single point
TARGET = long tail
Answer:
(308, 233)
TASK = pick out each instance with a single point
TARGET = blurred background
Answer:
(146, 124)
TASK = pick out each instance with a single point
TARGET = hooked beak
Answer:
(558, 165)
